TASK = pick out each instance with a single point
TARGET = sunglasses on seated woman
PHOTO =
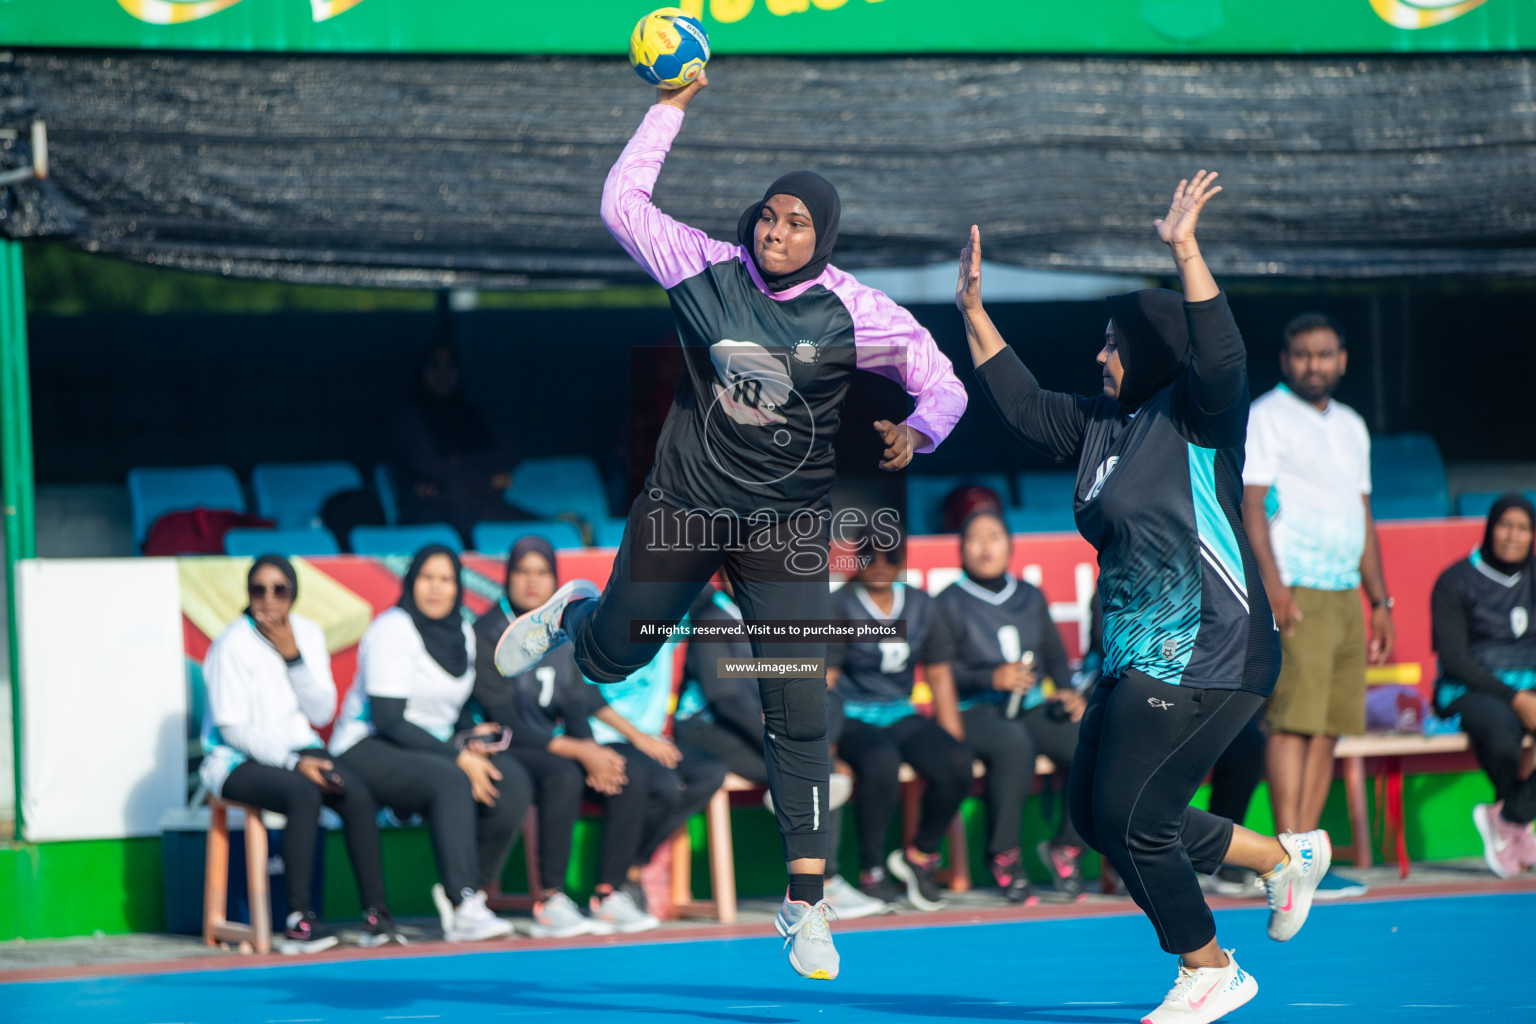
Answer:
(281, 591)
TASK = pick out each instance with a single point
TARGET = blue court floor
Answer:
(1413, 961)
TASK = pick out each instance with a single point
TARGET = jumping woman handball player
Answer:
(1190, 646)
(771, 335)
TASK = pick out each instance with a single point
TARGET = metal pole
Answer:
(20, 511)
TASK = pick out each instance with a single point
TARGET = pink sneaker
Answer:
(1503, 841)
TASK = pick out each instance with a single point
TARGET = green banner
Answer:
(782, 27)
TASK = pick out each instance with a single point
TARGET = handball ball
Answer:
(668, 48)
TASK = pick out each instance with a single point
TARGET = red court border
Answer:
(1001, 915)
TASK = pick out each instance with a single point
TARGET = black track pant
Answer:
(558, 784)
(651, 807)
(1238, 772)
(1008, 747)
(1496, 733)
(1144, 749)
(779, 571)
(296, 798)
(469, 840)
(876, 753)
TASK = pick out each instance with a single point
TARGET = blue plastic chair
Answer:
(1057, 519)
(154, 492)
(1408, 466)
(609, 533)
(558, 484)
(403, 540)
(293, 492)
(498, 538)
(1047, 491)
(926, 494)
(1476, 503)
(389, 498)
(250, 543)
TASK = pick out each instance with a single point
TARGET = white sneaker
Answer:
(444, 906)
(619, 911)
(473, 921)
(850, 902)
(1290, 889)
(1205, 994)
(559, 918)
(534, 634)
(839, 791)
(807, 938)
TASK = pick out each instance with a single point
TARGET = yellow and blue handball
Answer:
(669, 48)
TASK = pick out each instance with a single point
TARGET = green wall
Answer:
(53, 890)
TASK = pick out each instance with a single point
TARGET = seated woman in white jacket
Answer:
(397, 729)
(269, 686)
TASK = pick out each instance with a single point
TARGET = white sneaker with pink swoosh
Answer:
(1205, 994)
(1290, 889)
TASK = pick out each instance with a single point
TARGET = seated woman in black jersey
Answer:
(415, 670)
(1004, 650)
(269, 688)
(874, 679)
(1481, 610)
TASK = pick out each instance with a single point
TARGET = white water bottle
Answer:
(1027, 659)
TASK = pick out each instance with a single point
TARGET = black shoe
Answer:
(877, 884)
(1008, 869)
(379, 930)
(1064, 862)
(306, 934)
(922, 891)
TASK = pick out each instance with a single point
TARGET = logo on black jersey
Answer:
(806, 351)
(1170, 647)
(1161, 705)
(1100, 475)
(1519, 621)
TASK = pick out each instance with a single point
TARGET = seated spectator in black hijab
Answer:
(398, 731)
(269, 688)
(1480, 611)
(452, 466)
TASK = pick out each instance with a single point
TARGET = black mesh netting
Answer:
(418, 171)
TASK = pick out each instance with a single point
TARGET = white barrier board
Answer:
(103, 696)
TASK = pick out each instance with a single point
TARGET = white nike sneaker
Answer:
(473, 921)
(806, 936)
(851, 903)
(534, 634)
(444, 906)
(1205, 994)
(1290, 889)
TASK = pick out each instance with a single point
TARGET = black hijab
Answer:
(523, 546)
(1153, 340)
(1514, 499)
(444, 637)
(821, 202)
(283, 566)
(992, 583)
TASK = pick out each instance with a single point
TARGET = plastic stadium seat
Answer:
(550, 486)
(926, 494)
(1408, 506)
(1476, 503)
(1040, 520)
(384, 484)
(1408, 466)
(403, 540)
(251, 543)
(609, 532)
(154, 492)
(498, 538)
(1043, 492)
(293, 492)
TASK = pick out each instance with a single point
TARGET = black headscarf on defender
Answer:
(821, 202)
(1152, 337)
(1514, 499)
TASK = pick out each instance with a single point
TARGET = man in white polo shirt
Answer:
(1306, 507)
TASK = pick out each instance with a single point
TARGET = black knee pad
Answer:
(802, 709)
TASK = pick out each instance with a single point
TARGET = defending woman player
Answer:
(1190, 647)
(771, 335)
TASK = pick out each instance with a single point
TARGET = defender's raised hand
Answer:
(1178, 225)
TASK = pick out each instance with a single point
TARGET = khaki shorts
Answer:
(1321, 690)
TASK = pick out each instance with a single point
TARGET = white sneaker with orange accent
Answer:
(1205, 994)
(1290, 888)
